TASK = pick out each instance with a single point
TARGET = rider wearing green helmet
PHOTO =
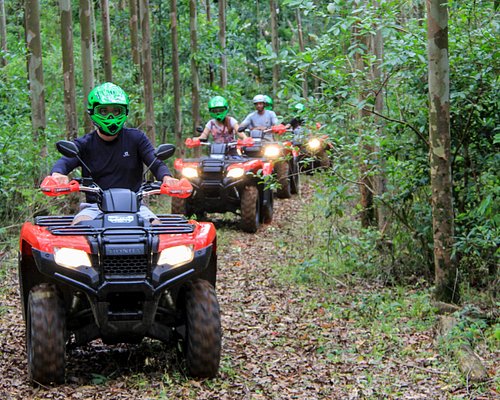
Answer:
(268, 104)
(108, 108)
(114, 155)
(222, 127)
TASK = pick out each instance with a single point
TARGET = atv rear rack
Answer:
(61, 225)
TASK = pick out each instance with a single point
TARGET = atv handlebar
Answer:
(191, 143)
(50, 187)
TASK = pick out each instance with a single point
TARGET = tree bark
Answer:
(302, 48)
(175, 75)
(222, 41)
(3, 33)
(274, 4)
(106, 39)
(68, 69)
(134, 38)
(211, 74)
(87, 56)
(446, 274)
(35, 74)
(195, 80)
(147, 71)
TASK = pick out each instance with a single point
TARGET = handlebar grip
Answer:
(182, 190)
(190, 142)
(279, 129)
(50, 187)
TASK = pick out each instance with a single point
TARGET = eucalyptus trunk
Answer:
(176, 75)
(302, 48)
(35, 74)
(211, 73)
(134, 38)
(275, 43)
(87, 55)
(222, 42)
(3, 33)
(195, 80)
(147, 71)
(106, 39)
(446, 273)
(68, 69)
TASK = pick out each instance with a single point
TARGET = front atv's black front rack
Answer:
(61, 225)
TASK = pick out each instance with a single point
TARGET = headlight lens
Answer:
(314, 144)
(235, 173)
(176, 255)
(272, 151)
(189, 172)
(71, 258)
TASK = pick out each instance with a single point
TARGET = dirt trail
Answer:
(280, 342)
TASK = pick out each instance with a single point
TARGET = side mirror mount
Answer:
(67, 148)
(199, 129)
(164, 151)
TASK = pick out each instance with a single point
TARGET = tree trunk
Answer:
(302, 48)
(35, 74)
(222, 41)
(106, 39)
(134, 38)
(446, 274)
(68, 69)
(378, 83)
(275, 43)
(366, 186)
(147, 71)
(87, 55)
(3, 33)
(211, 74)
(175, 75)
(195, 81)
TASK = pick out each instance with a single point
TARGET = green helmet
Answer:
(218, 108)
(299, 107)
(108, 108)
(269, 102)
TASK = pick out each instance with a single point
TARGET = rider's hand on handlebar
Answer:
(170, 181)
(192, 142)
(60, 178)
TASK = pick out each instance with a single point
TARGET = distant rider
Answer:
(115, 154)
(261, 118)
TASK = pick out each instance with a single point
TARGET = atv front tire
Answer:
(267, 210)
(178, 206)
(45, 335)
(282, 175)
(203, 330)
(295, 178)
(250, 209)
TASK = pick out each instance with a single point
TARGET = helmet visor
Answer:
(113, 110)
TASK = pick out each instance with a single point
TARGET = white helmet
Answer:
(259, 99)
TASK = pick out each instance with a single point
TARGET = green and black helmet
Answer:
(268, 105)
(108, 108)
(218, 108)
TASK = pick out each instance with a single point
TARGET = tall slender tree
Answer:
(211, 74)
(134, 38)
(35, 73)
(147, 70)
(175, 74)
(274, 4)
(222, 42)
(87, 55)
(446, 273)
(106, 39)
(302, 48)
(195, 80)
(68, 69)
(3, 33)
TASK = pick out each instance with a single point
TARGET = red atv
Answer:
(119, 278)
(314, 149)
(282, 154)
(226, 182)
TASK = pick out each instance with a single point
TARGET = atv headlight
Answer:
(235, 173)
(189, 172)
(272, 151)
(71, 258)
(314, 144)
(176, 255)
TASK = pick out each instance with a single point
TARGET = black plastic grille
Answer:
(129, 265)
